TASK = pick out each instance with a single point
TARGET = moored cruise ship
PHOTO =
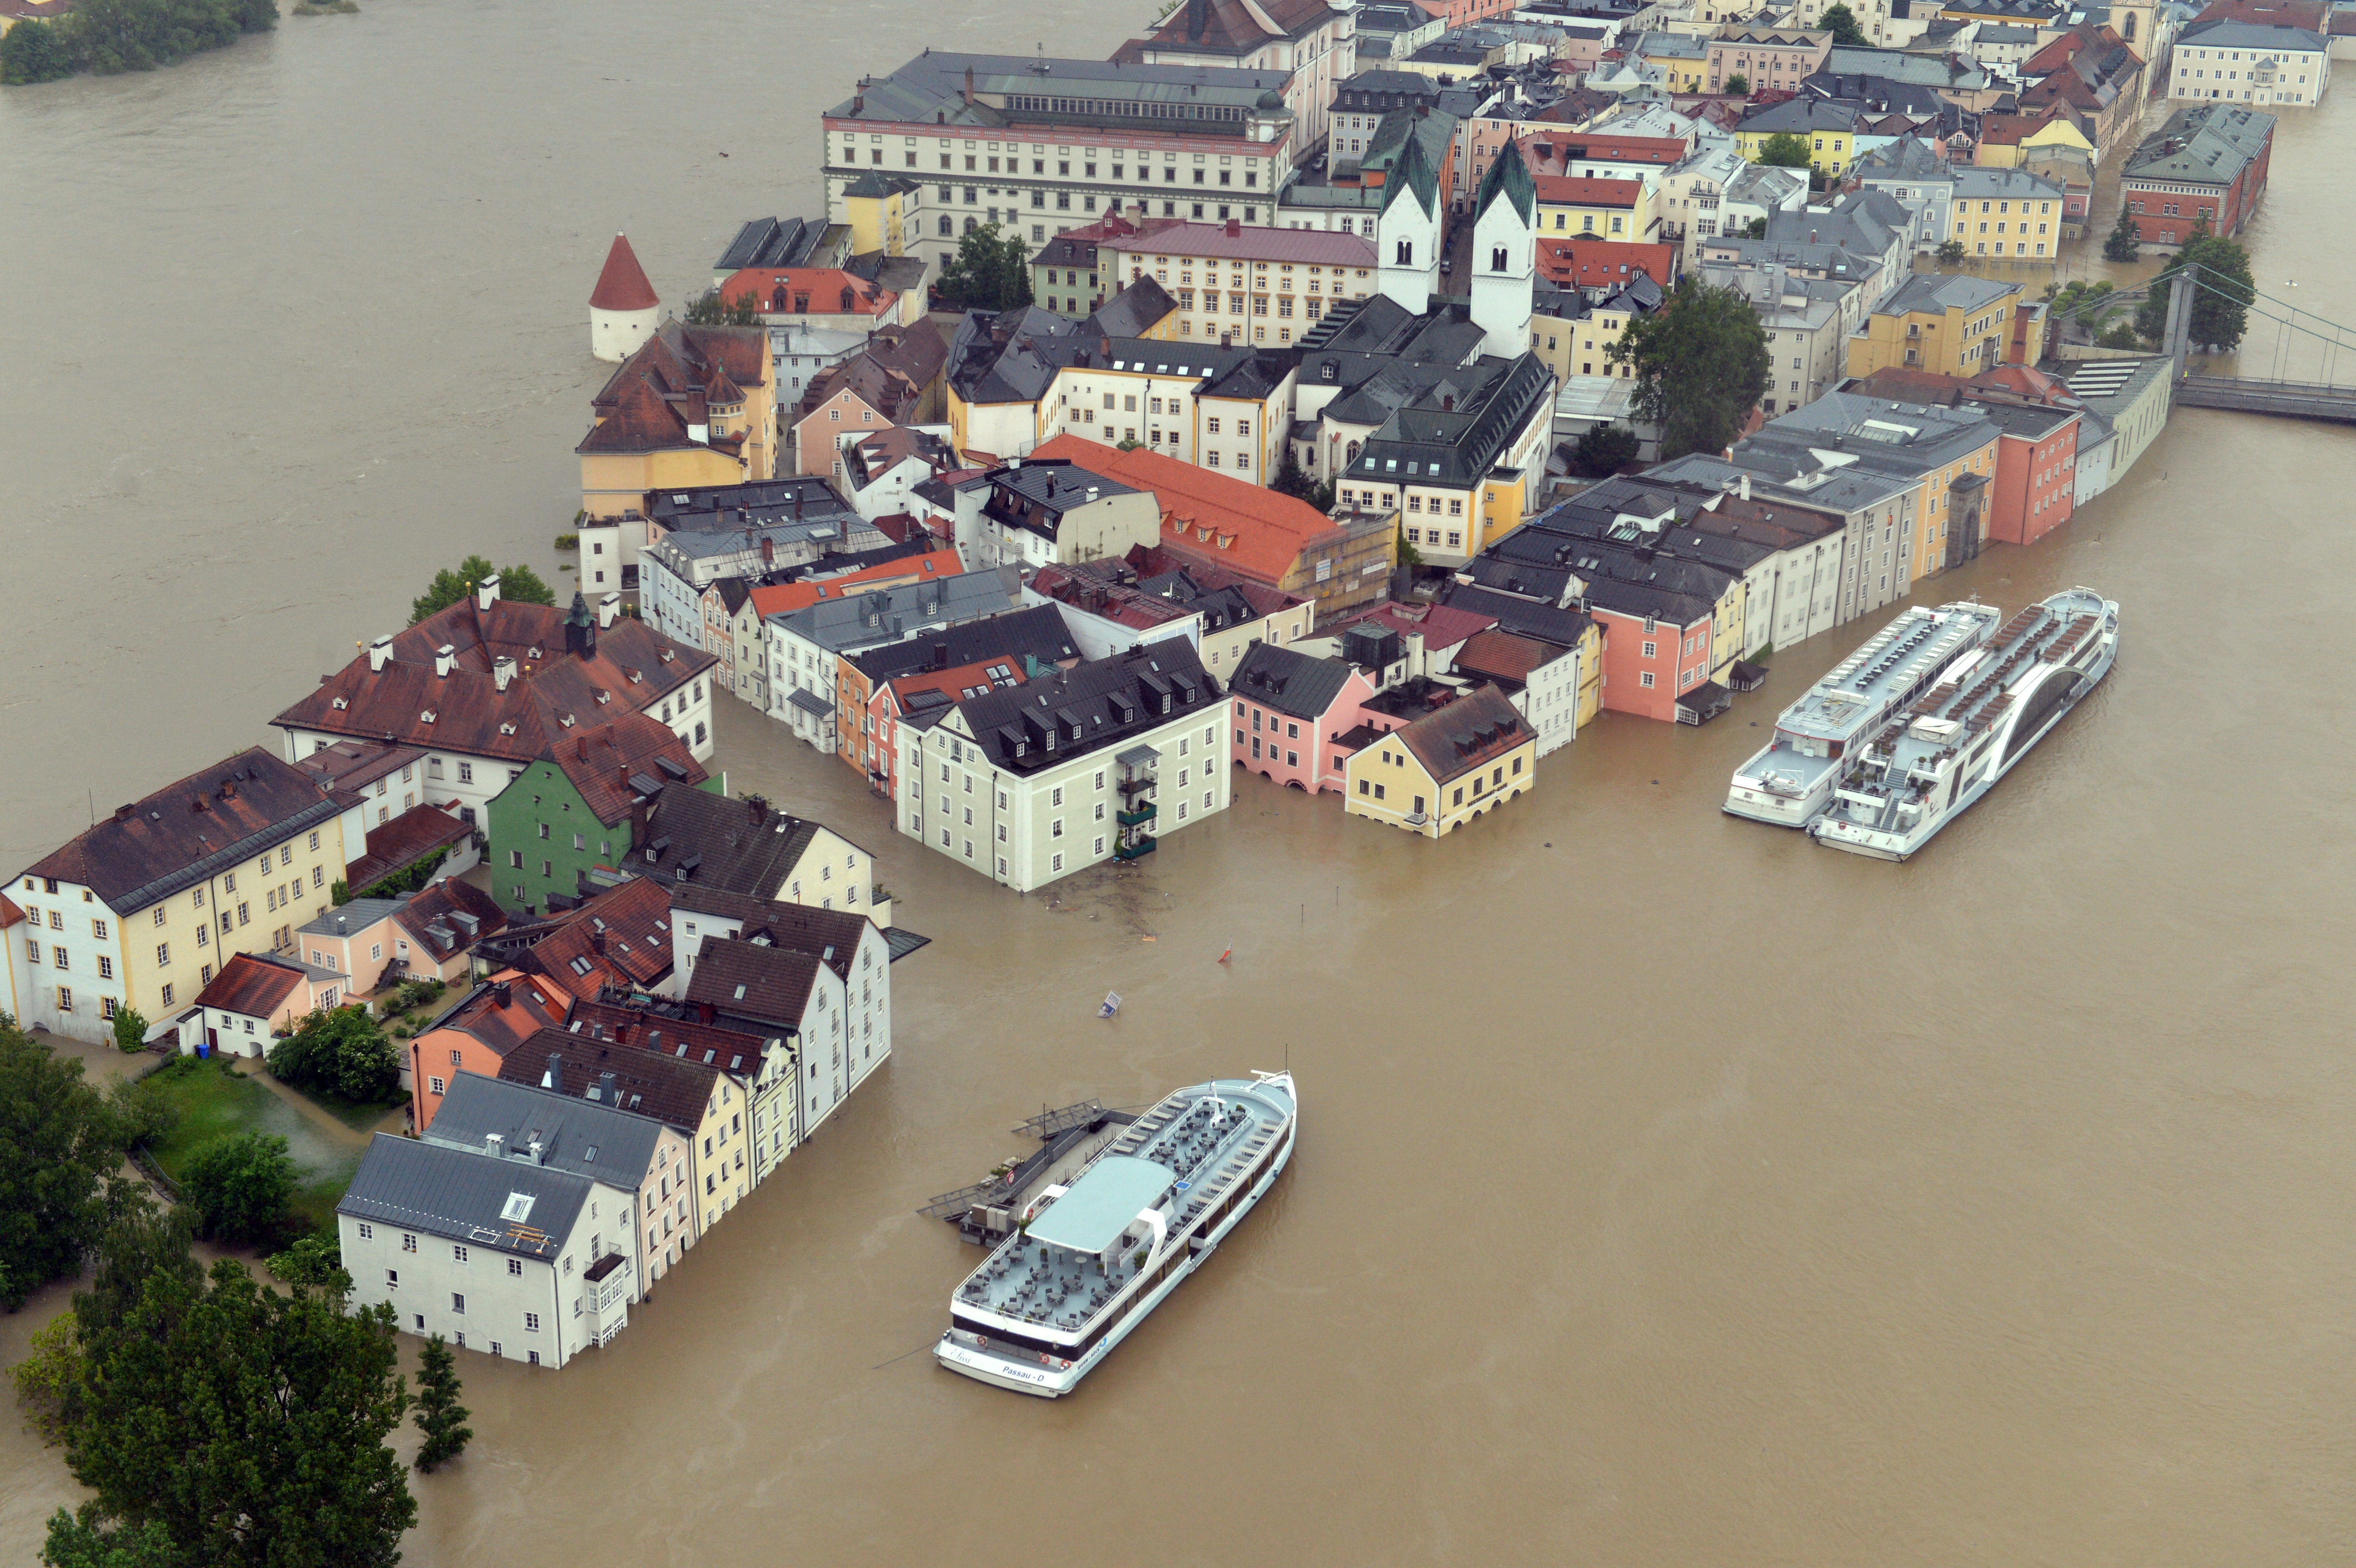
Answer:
(1792, 780)
(1948, 747)
(1094, 1257)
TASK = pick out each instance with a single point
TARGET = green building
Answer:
(570, 813)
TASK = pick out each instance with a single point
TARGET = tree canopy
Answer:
(220, 1421)
(342, 1051)
(1841, 23)
(2219, 272)
(1700, 365)
(239, 1184)
(1784, 151)
(1603, 451)
(105, 36)
(707, 309)
(1739, 85)
(990, 272)
(521, 584)
(440, 1416)
(58, 1141)
(2125, 242)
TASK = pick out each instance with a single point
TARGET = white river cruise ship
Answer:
(1948, 747)
(1093, 1258)
(1792, 780)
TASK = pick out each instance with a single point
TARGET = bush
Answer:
(106, 37)
(1604, 452)
(130, 1030)
(407, 881)
(568, 541)
(341, 1052)
(1951, 251)
(142, 1115)
(1739, 85)
(312, 1263)
(239, 1185)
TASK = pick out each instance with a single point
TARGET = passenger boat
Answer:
(1792, 780)
(1092, 1258)
(1948, 747)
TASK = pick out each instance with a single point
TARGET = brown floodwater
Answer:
(1669, 1190)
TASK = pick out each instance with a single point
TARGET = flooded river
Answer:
(1669, 1192)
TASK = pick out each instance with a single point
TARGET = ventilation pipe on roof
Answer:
(555, 1076)
(380, 652)
(486, 592)
(503, 670)
(538, 1155)
(494, 1145)
(607, 608)
(605, 1087)
(444, 657)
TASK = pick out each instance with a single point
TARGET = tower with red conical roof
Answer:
(623, 307)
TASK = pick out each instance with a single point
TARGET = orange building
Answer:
(501, 1015)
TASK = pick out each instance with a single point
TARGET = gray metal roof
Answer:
(585, 1137)
(348, 919)
(930, 89)
(505, 1205)
(1289, 680)
(891, 615)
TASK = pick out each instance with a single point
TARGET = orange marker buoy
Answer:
(1225, 957)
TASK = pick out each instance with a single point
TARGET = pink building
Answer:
(1291, 709)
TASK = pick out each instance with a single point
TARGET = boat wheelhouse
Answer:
(1792, 779)
(1945, 749)
(1092, 1258)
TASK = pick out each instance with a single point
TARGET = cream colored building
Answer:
(144, 908)
(1238, 284)
(1224, 408)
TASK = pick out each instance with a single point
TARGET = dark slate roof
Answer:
(737, 846)
(452, 915)
(1289, 680)
(419, 1185)
(762, 986)
(1038, 632)
(1108, 701)
(714, 509)
(1509, 179)
(1011, 357)
(830, 935)
(1132, 311)
(673, 1031)
(1466, 734)
(1443, 438)
(772, 242)
(584, 1135)
(649, 1079)
(190, 829)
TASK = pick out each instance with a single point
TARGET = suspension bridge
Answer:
(2295, 341)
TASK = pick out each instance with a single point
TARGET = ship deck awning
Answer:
(1102, 1203)
(1745, 676)
(1704, 703)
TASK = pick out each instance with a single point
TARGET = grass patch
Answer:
(209, 1100)
(358, 1115)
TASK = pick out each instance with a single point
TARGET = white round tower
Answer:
(623, 307)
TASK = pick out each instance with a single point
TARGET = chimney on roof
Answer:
(380, 652)
(1744, 487)
(1234, 228)
(122, 813)
(538, 1155)
(597, 943)
(502, 994)
(503, 670)
(494, 1145)
(969, 85)
(486, 592)
(753, 811)
(605, 1087)
(607, 608)
(443, 657)
(768, 552)
(581, 748)
(555, 1078)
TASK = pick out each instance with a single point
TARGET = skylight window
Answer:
(518, 1208)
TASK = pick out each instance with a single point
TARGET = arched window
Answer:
(777, 299)
(1497, 259)
(1406, 252)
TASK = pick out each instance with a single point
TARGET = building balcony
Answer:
(1134, 784)
(1138, 816)
(1136, 849)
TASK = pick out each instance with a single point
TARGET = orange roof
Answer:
(9, 913)
(799, 290)
(954, 684)
(1257, 532)
(623, 285)
(785, 598)
(1604, 263)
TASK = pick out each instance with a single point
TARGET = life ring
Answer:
(1045, 1360)
(1068, 1366)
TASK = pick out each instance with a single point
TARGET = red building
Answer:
(1605, 266)
(2209, 163)
(2036, 469)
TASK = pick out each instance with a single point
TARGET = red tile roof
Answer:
(599, 762)
(966, 679)
(1503, 655)
(1441, 625)
(1605, 264)
(502, 1026)
(809, 290)
(785, 598)
(1258, 533)
(631, 665)
(770, 986)
(1466, 735)
(1236, 26)
(670, 383)
(253, 984)
(650, 1084)
(397, 844)
(621, 937)
(1578, 190)
(622, 285)
(9, 913)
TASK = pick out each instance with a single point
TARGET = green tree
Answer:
(312, 1263)
(989, 271)
(81, 1543)
(1784, 151)
(439, 1415)
(1739, 85)
(1291, 481)
(1407, 554)
(2120, 334)
(1951, 251)
(130, 1030)
(1700, 365)
(36, 52)
(1603, 451)
(1838, 20)
(247, 1424)
(342, 1051)
(142, 1113)
(2219, 272)
(239, 1184)
(139, 1242)
(521, 584)
(58, 1142)
(707, 309)
(2124, 242)
(1755, 228)
(45, 1377)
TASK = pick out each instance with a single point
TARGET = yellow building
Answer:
(1238, 284)
(1573, 207)
(1829, 131)
(876, 206)
(694, 406)
(2007, 140)
(1578, 346)
(144, 908)
(1439, 772)
(1955, 324)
